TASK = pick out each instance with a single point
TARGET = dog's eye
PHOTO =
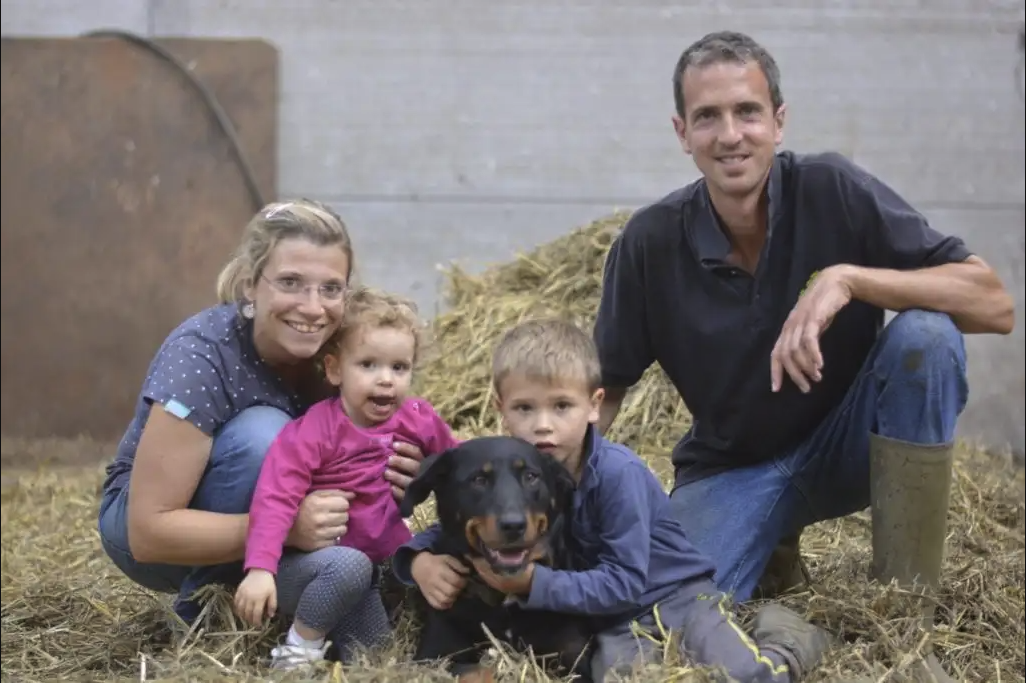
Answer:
(479, 480)
(530, 477)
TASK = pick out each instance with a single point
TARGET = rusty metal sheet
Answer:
(121, 199)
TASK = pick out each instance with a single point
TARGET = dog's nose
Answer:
(513, 525)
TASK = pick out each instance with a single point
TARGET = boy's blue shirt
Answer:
(635, 551)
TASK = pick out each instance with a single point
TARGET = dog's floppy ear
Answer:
(560, 538)
(433, 469)
(562, 481)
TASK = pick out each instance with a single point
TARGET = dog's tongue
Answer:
(509, 557)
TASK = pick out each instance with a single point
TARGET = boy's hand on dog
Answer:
(256, 597)
(439, 577)
(518, 584)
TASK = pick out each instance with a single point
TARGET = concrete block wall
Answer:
(454, 129)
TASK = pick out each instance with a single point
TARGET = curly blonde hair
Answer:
(374, 308)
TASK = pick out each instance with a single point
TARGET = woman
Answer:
(222, 385)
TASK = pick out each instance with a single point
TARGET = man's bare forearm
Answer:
(970, 292)
(610, 407)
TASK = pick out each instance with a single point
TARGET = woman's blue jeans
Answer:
(227, 485)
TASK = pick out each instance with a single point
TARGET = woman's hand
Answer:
(323, 519)
(403, 467)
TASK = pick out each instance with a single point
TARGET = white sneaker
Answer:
(289, 657)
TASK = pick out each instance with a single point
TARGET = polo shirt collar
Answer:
(711, 243)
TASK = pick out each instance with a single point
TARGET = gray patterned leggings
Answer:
(334, 590)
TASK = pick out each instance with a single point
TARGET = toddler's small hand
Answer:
(256, 597)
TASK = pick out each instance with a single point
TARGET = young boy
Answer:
(546, 377)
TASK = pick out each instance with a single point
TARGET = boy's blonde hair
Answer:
(548, 350)
(370, 307)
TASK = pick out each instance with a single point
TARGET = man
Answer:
(760, 289)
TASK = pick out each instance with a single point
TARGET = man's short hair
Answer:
(726, 46)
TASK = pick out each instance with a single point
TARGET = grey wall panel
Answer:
(71, 17)
(571, 99)
(996, 412)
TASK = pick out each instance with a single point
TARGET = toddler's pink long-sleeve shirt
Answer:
(323, 449)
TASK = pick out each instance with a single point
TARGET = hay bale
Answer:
(68, 614)
(562, 278)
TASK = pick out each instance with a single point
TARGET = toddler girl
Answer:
(341, 443)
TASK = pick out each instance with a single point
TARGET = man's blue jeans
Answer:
(912, 387)
(227, 485)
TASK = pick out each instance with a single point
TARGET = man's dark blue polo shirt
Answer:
(669, 296)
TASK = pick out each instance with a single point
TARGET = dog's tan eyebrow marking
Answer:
(519, 464)
(487, 469)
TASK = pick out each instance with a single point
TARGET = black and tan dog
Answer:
(502, 499)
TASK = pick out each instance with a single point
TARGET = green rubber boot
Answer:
(909, 493)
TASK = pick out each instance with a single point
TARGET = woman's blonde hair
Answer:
(302, 218)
